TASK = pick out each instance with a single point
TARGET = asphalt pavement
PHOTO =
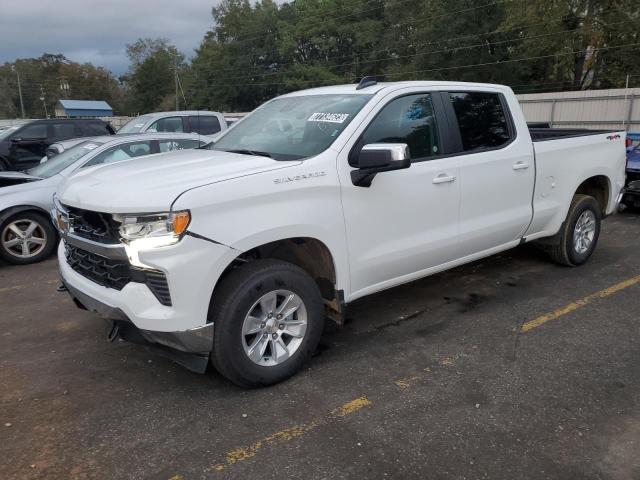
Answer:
(508, 368)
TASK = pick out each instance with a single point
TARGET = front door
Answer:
(406, 222)
(28, 145)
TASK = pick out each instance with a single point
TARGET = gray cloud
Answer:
(97, 31)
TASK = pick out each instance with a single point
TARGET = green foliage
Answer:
(151, 77)
(45, 77)
(259, 49)
(256, 51)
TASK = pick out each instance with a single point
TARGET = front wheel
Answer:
(26, 237)
(268, 317)
(579, 234)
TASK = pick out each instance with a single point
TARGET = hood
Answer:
(152, 183)
(15, 178)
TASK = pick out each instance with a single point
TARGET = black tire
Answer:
(232, 302)
(562, 249)
(51, 238)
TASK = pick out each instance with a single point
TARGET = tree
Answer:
(54, 77)
(151, 76)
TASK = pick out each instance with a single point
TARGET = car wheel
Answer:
(578, 236)
(26, 237)
(268, 317)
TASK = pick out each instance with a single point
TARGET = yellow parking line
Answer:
(243, 453)
(542, 319)
(10, 289)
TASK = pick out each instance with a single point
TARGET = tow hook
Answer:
(114, 333)
(62, 288)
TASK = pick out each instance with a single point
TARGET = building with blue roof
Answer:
(83, 108)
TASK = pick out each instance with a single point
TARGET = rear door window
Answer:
(205, 124)
(482, 120)
(62, 131)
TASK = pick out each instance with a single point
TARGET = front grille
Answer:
(103, 271)
(96, 226)
(117, 273)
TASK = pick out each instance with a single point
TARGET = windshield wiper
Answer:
(250, 152)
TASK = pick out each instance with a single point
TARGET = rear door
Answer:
(497, 171)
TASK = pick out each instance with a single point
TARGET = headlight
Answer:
(153, 230)
(60, 215)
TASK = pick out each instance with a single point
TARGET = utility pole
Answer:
(44, 103)
(15, 69)
(626, 91)
(175, 76)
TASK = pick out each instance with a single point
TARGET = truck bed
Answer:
(543, 134)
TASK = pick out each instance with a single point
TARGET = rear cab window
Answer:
(483, 120)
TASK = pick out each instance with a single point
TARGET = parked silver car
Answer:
(26, 198)
(202, 122)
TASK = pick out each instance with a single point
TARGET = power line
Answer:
(455, 67)
(430, 52)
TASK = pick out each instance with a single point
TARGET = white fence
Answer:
(606, 109)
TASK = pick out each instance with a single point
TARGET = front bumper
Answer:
(191, 267)
(194, 340)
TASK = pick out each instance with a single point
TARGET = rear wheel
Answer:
(578, 236)
(268, 317)
(26, 237)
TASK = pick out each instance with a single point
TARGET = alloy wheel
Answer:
(274, 327)
(24, 238)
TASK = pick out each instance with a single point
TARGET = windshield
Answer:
(134, 125)
(291, 128)
(63, 160)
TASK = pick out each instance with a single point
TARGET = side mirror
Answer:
(379, 157)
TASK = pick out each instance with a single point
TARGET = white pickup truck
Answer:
(237, 253)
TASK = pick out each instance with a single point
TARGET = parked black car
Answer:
(22, 146)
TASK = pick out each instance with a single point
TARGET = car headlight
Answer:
(155, 229)
(60, 216)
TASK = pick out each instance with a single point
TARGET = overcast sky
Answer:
(97, 31)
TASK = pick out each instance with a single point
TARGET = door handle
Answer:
(520, 166)
(444, 178)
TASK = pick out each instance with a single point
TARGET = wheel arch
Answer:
(598, 187)
(11, 211)
(308, 253)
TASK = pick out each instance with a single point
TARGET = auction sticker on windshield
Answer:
(328, 117)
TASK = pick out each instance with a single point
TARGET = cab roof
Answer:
(390, 86)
